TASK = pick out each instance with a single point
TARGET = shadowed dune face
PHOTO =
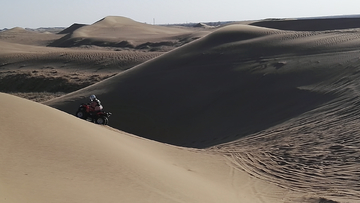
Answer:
(231, 83)
(311, 24)
(72, 28)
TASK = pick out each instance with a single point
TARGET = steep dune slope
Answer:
(49, 156)
(238, 80)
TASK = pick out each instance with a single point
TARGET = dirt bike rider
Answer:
(95, 105)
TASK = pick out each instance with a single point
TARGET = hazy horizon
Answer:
(50, 13)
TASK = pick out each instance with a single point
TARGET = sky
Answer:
(64, 13)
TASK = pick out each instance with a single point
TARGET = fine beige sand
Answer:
(49, 156)
(261, 111)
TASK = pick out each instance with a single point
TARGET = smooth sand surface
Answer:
(271, 107)
(50, 156)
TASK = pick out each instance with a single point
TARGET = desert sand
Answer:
(261, 111)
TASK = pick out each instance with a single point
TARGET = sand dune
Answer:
(275, 111)
(125, 33)
(55, 157)
(220, 87)
(283, 98)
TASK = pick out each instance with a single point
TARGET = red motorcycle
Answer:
(99, 117)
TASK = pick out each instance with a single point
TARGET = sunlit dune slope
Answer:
(123, 32)
(49, 156)
(236, 81)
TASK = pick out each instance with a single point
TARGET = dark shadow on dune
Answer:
(69, 41)
(310, 24)
(72, 28)
(320, 200)
(65, 41)
(220, 88)
(201, 106)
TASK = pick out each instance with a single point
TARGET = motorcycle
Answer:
(100, 117)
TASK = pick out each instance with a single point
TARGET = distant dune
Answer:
(21, 36)
(32, 69)
(117, 31)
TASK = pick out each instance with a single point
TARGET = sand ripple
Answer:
(317, 153)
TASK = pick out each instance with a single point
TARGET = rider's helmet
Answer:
(92, 97)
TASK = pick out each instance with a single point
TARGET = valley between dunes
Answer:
(263, 111)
